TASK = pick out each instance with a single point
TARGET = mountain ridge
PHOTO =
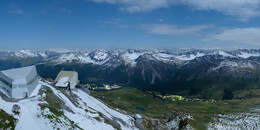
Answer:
(166, 71)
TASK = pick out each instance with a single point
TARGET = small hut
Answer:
(138, 118)
(66, 79)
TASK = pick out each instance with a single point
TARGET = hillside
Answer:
(59, 109)
(185, 114)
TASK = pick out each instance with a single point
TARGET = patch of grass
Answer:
(107, 121)
(72, 124)
(93, 79)
(55, 106)
(6, 121)
(129, 98)
(147, 123)
(251, 93)
(98, 119)
(54, 103)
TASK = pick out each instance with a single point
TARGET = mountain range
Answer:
(203, 73)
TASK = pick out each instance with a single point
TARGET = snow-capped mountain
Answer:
(127, 57)
(142, 67)
(206, 74)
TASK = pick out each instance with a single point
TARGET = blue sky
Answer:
(42, 24)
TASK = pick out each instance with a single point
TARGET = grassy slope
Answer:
(128, 98)
(6, 117)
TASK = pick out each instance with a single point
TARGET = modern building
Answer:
(138, 118)
(66, 77)
(20, 82)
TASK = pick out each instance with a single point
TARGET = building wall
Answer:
(32, 86)
(74, 80)
(18, 92)
(7, 89)
(16, 89)
(31, 75)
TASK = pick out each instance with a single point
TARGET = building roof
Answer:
(63, 82)
(64, 77)
(138, 116)
(19, 75)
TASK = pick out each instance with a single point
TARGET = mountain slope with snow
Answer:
(82, 111)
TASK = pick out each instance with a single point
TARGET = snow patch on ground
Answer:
(32, 117)
(243, 121)
(108, 112)
(86, 120)
(28, 119)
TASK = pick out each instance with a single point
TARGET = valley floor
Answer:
(225, 114)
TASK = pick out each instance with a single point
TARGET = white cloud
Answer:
(65, 11)
(161, 20)
(115, 22)
(19, 11)
(240, 35)
(112, 21)
(138, 5)
(167, 29)
(242, 9)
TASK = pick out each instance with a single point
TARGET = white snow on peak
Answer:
(246, 55)
(67, 57)
(60, 50)
(163, 56)
(223, 53)
(226, 63)
(43, 54)
(190, 57)
(100, 55)
(130, 58)
(82, 58)
(85, 58)
(25, 53)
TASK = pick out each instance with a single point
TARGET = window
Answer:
(17, 86)
(5, 82)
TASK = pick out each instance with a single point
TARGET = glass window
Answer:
(5, 82)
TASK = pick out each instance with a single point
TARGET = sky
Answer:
(83, 24)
